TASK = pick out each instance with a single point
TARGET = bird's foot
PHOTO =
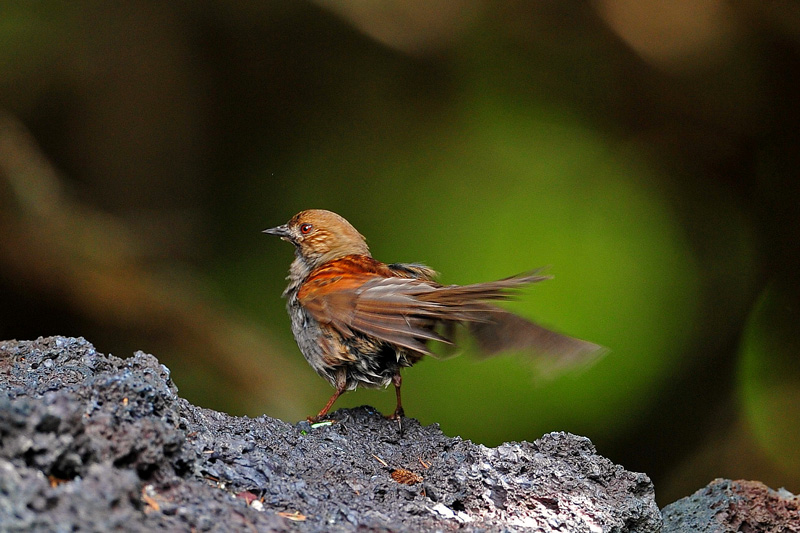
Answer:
(397, 415)
(319, 419)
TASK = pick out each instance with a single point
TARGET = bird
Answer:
(358, 321)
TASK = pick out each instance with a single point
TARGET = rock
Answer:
(734, 506)
(92, 442)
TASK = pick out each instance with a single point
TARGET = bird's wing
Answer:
(413, 270)
(502, 332)
(496, 330)
(385, 308)
(456, 296)
(405, 311)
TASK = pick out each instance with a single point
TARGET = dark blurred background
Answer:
(646, 152)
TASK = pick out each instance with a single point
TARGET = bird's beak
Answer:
(279, 231)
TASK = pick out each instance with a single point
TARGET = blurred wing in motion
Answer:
(398, 304)
(502, 331)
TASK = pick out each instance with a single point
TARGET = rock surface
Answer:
(734, 506)
(97, 443)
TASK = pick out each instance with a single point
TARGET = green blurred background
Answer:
(646, 152)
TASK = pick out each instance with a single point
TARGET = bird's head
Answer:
(320, 236)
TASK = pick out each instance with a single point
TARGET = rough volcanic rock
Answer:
(734, 506)
(97, 443)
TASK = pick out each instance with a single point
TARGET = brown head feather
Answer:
(321, 236)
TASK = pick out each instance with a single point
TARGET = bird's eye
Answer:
(305, 229)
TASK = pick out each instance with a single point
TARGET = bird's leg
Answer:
(398, 412)
(341, 384)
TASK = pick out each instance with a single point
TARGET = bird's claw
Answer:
(397, 415)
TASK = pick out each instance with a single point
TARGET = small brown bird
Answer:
(359, 321)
